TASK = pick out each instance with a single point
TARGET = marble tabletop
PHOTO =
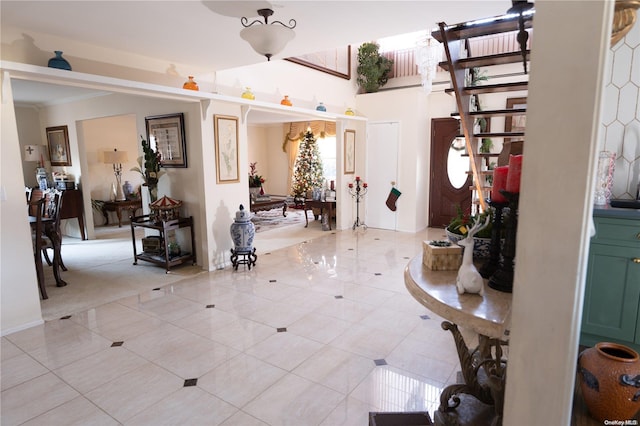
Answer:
(489, 315)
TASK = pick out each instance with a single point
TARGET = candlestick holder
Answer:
(493, 263)
(502, 279)
(358, 191)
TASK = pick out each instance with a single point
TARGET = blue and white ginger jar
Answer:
(243, 231)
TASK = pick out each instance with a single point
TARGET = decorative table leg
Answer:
(488, 356)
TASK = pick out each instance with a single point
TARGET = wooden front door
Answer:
(449, 183)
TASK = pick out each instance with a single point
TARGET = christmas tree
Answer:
(307, 170)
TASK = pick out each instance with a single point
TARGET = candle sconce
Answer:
(358, 191)
(502, 279)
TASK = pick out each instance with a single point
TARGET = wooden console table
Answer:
(310, 204)
(268, 205)
(475, 401)
(117, 206)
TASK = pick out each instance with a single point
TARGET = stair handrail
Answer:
(466, 122)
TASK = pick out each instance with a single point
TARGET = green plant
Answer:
(462, 222)
(373, 68)
(152, 163)
(255, 180)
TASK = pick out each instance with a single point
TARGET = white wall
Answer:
(105, 134)
(20, 298)
(413, 109)
(29, 134)
(564, 105)
(270, 81)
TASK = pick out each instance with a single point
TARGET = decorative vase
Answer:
(59, 62)
(41, 178)
(609, 380)
(481, 248)
(191, 84)
(243, 231)
(248, 94)
(254, 192)
(286, 101)
(604, 179)
(321, 107)
(153, 192)
(127, 188)
(349, 111)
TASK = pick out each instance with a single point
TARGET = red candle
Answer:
(357, 178)
(365, 185)
(350, 185)
(499, 182)
(515, 170)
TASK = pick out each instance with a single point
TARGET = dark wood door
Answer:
(445, 196)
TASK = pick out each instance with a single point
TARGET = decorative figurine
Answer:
(469, 279)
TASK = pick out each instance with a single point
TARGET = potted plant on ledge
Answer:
(460, 225)
(255, 181)
(373, 68)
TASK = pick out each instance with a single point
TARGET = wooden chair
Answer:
(54, 207)
(52, 237)
(35, 209)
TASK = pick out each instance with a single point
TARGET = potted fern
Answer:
(373, 68)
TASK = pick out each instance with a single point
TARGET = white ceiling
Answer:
(205, 34)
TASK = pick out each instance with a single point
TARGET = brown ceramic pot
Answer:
(610, 381)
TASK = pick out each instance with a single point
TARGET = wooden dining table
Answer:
(50, 232)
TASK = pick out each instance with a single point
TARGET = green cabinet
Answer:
(611, 310)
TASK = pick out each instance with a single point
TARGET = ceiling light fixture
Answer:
(267, 39)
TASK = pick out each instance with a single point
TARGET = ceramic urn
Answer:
(243, 231)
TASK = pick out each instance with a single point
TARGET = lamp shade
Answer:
(115, 157)
(267, 40)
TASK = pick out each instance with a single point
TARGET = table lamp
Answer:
(116, 158)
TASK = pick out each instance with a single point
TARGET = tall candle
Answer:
(499, 182)
(515, 170)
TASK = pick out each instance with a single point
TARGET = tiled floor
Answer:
(319, 333)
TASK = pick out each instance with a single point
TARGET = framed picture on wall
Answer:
(58, 142)
(515, 123)
(225, 129)
(166, 133)
(349, 152)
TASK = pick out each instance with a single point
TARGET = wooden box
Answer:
(441, 258)
(152, 244)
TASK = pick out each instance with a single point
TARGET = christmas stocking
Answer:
(392, 198)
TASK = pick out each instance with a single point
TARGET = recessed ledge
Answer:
(91, 81)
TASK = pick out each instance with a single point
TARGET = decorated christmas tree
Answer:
(307, 170)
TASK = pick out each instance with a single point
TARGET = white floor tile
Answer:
(340, 302)
(294, 401)
(240, 379)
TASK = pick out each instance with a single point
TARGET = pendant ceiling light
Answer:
(267, 38)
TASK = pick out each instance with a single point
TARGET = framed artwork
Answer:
(515, 123)
(349, 152)
(166, 134)
(335, 61)
(225, 129)
(58, 142)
